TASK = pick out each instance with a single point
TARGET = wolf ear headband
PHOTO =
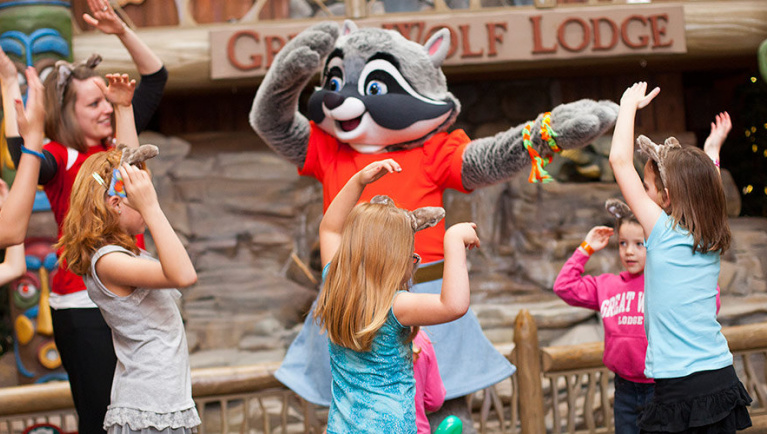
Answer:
(658, 153)
(618, 209)
(65, 71)
(133, 156)
(420, 218)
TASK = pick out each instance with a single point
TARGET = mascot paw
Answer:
(578, 123)
(302, 55)
(319, 38)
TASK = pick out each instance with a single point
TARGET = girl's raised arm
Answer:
(122, 273)
(14, 216)
(622, 156)
(453, 301)
(9, 86)
(333, 221)
(719, 129)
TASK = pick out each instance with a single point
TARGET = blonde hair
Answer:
(373, 262)
(697, 198)
(91, 223)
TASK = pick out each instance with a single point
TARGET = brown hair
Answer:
(658, 179)
(374, 261)
(91, 223)
(697, 199)
(60, 122)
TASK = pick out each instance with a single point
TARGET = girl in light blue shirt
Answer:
(684, 219)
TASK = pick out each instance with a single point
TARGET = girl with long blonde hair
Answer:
(112, 202)
(370, 317)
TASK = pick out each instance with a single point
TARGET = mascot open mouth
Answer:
(350, 124)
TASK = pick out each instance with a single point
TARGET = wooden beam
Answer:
(714, 29)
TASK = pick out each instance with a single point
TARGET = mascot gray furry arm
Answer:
(413, 106)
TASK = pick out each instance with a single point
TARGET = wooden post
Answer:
(528, 359)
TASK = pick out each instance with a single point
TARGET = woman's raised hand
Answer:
(104, 18)
(119, 90)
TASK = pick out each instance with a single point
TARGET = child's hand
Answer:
(104, 18)
(375, 171)
(120, 89)
(719, 130)
(32, 117)
(598, 237)
(8, 71)
(139, 188)
(635, 97)
(466, 232)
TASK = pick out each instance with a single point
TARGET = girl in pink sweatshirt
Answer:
(619, 300)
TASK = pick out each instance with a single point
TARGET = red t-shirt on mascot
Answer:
(58, 191)
(427, 171)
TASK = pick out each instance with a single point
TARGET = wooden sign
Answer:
(483, 37)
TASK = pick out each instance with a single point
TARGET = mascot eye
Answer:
(376, 87)
(335, 84)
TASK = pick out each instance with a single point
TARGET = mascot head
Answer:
(382, 92)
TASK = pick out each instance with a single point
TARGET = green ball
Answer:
(451, 425)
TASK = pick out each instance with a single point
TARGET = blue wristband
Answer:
(26, 150)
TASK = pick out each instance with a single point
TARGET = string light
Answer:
(753, 79)
(748, 133)
(754, 148)
(748, 189)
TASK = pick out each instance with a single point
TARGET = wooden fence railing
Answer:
(563, 389)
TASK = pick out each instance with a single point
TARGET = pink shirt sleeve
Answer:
(575, 288)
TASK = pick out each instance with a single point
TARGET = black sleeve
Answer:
(147, 97)
(48, 166)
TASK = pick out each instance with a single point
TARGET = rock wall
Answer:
(250, 224)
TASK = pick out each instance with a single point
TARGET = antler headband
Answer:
(65, 71)
(420, 218)
(658, 153)
(618, 209)
(129, 156)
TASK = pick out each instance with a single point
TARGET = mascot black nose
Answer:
(333, 100)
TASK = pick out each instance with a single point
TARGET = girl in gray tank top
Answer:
(112, 202)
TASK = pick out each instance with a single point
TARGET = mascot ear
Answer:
(438, 46)
(349, 27)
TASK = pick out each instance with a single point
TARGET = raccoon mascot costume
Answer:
(384, 96)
